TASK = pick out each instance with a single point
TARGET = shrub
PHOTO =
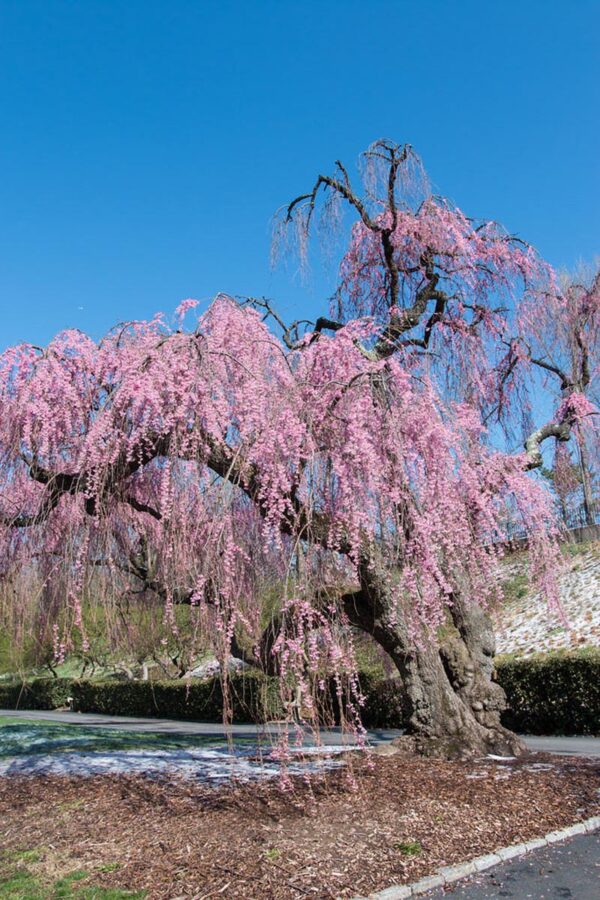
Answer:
(39, 693)
(552, 693)
(382, 701)
(254, 698)
(384, 706)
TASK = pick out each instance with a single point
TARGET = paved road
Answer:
(580, 746)
(570, 746)
(567, 870)
(329, 736)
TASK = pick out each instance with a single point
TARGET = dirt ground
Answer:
(386, 820)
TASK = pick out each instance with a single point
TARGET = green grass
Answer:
(17, 720)
(23, 856)
(515, 588)
(408, 848)
(23, 737)
(20, 883)
(579, 652)
(569, 549)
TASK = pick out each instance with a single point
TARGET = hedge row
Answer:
(254, 698)
(384, 703)
(552, 693)
(40, 693)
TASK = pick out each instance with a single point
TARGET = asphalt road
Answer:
(579, 746)
(329, 736)
(567, 870)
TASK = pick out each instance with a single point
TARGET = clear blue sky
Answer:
(146, 143)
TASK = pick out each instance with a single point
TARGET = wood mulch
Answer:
(401, 819)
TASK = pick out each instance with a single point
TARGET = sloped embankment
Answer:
(526, 625)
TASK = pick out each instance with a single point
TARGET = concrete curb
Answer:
(449, 874)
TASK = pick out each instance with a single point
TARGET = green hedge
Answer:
(254, 698)
(39, 693)
(552, 693)
(384, 703)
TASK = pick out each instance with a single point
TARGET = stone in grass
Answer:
(212, 667)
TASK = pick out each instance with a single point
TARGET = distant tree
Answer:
(344, 461)
(562, 337)
(565, 478)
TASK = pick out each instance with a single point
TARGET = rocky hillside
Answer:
(525, 624)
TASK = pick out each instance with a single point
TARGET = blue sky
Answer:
(146, 144)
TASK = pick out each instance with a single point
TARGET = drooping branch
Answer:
(565, 382)
(344, 189)
(410, 318)
(59, 484)
(141, 507)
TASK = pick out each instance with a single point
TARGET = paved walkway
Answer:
(568, 870)
(579, 746)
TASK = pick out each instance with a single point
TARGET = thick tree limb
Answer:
(562, 432)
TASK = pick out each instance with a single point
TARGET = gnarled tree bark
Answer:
(452, 705)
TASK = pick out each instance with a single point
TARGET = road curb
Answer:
(450, 874)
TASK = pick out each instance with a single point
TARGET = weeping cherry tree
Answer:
(349, 461)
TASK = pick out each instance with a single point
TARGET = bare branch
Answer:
(342, 188)
(542, 364)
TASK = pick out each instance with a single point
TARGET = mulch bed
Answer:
(401, 819)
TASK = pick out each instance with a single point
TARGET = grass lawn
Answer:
(17, 720)
(19, 737)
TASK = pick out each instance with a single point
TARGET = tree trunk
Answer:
(452, 705)
(586, 480)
